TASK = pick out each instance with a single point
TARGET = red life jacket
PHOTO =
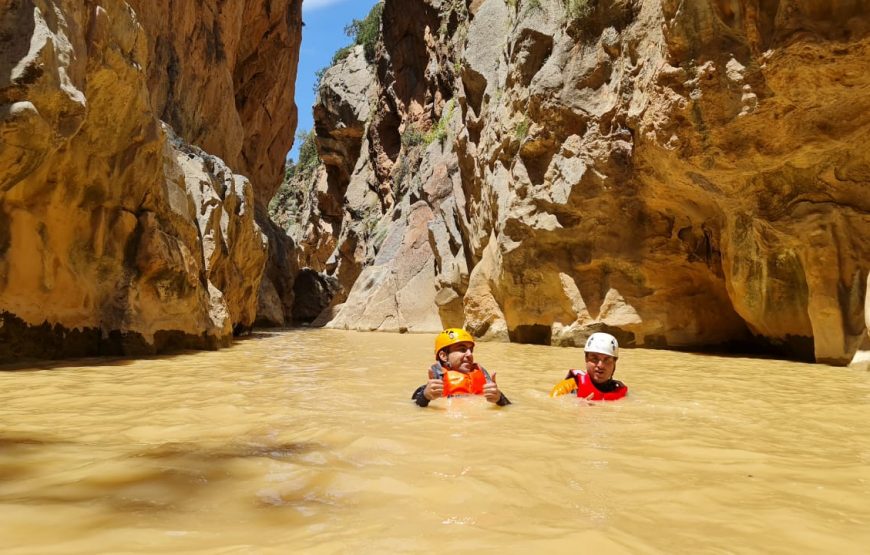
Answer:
(460, 383)
(587, 390)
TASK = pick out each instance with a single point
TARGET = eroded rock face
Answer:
(680, 174)
(341, 110)
(222, 74)
(116, 236)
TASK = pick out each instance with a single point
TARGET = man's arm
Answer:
(419, 396)
(565, 387)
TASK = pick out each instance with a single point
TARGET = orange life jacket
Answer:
(460, 383)
(587, 390)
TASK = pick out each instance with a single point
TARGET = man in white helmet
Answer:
(596, 383)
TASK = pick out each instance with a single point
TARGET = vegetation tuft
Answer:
(318, 76)
(576, 9)
(341, 54)
(289, 199)
(309, 159)
(439, 131)
(364, 31)
(522, 130)
(453, 14)
(367, 31)
(412, 137)
(400, 174)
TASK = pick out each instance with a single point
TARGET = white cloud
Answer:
(312, 5)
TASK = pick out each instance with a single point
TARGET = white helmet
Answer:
(602, 343)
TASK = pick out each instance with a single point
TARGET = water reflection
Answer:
(307, 440)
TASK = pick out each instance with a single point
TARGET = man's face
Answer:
(600, 367)
(459, 356)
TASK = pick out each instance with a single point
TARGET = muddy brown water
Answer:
(307, 441)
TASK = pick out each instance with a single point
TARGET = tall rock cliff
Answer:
(139, 139)
(680, 174)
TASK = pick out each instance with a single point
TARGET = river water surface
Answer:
(307, 441)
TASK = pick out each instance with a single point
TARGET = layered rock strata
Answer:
(117, 235)
(681, 174)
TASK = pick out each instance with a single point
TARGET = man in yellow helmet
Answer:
(456, 373)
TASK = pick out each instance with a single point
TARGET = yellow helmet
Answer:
(451, 336)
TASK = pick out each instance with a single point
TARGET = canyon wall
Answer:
(140, 143)
(685, 175)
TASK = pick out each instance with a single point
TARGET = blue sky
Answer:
(322, 35)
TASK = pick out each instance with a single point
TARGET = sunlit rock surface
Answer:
(681, 174)
(117, 235)
(222, 73)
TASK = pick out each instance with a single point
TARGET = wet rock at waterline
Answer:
(314, 292)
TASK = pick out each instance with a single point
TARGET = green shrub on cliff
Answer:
(439, 130)
(412, 137)
(308, 156)
(318, 76)
(341, 54)
(364, 31)
(309, 159)
(522, 130)
(287, 203)
(576, 9)
(532, 5)
(454, 18)
(367, 31)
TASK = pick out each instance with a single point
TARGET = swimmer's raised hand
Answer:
(435, 388)
(491, 391)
